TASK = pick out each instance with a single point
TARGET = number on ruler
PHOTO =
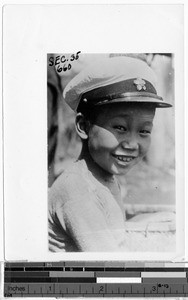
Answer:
(101, 289)
(154, 288)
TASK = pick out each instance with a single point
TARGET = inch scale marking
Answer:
(88, 279)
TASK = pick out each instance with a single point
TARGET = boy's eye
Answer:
(145, 132)
(120, 128)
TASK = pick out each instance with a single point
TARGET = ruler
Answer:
(95, 279)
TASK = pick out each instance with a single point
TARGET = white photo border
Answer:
(32, 31)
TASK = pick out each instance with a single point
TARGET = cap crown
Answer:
(112, 78)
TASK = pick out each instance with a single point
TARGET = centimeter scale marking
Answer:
(89, 279)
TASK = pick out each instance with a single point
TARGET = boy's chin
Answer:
(122, 171)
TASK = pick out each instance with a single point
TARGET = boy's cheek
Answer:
(145, 146)
(104, 138)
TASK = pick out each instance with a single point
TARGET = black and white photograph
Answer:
(94, 133)
(111, 152)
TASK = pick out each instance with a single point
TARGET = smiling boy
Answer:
(115, 101)
(120, 136)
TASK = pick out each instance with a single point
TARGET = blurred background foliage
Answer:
(152, 182)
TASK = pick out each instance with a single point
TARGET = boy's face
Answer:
(120, 136)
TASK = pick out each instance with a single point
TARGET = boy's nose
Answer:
(130, 143)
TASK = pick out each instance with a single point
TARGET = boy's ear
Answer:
(82, 126)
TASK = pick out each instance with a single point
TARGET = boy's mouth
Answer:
(124, 158)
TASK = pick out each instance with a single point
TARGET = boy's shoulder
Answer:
(76, 169)
(72, 181)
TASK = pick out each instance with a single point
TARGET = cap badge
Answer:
(140, 84)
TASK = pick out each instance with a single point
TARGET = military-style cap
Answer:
(116, 79)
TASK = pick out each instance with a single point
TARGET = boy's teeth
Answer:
(126, 159)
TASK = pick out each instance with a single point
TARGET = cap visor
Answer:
(158, 103)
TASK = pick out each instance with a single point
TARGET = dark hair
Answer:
(90, 111)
